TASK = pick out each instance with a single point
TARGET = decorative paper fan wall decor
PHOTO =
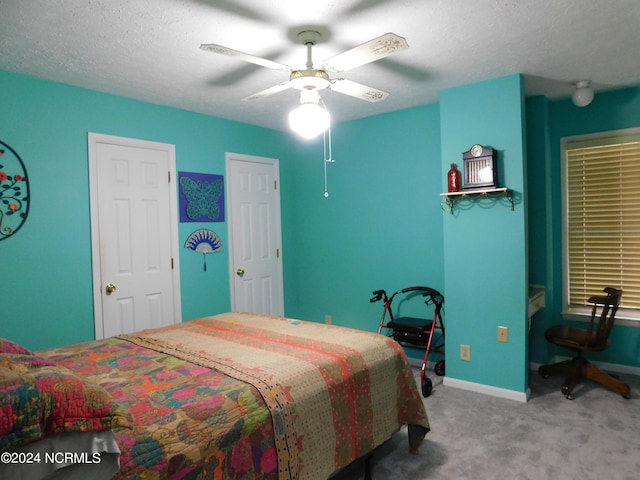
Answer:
(204, 241)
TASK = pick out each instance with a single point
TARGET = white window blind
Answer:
(603, 218)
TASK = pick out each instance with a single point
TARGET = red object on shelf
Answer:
(454, 179)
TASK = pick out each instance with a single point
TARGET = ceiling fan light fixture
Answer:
(309, 120)
(309, 79)
(583, 95)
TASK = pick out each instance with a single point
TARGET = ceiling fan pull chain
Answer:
(326, 140)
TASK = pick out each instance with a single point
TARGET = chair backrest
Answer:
(608, 304)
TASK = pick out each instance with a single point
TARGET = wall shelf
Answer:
(494, 194)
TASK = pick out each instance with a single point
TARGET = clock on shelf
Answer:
(480, 168)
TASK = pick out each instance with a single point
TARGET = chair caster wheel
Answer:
(569, 396)
(544, 376)
(439, 368)
(427, 386)
(626, 395)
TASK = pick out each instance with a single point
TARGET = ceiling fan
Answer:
(309, 119)
(315, 79)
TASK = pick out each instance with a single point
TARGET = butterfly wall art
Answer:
(201, 197)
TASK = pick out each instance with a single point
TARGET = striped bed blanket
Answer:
(334, 393)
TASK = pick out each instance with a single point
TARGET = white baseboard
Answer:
(476, 387)
(512, 394)
(488, 390)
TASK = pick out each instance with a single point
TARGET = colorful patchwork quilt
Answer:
(39, 399)
(190, 421)
(245, 396)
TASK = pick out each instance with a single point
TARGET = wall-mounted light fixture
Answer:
(583, 94)
(310, 119)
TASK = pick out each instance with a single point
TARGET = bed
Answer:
(232, 396)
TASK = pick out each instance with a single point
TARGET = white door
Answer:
(134, 234)
(255, 237)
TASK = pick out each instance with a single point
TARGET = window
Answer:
(602, 219)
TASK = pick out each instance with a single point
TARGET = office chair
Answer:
(594, 338)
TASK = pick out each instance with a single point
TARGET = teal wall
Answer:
(381, 227)
(549, 122)
(540, 240)
(485, 245)
(46, 279)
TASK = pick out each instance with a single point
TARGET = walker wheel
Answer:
(427, 386)
(439, 368)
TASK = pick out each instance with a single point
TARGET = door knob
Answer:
(240, 272)
(110, 288)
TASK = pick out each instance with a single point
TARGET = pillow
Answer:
(39, 398)
(7, 346)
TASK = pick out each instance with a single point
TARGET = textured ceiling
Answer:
(149, 50)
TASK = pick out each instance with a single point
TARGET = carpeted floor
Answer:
(476, 436)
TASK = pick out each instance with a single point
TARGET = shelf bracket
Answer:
(452, 199)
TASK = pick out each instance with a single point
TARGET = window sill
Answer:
(626, 318)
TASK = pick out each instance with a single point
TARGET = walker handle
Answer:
(377, 295)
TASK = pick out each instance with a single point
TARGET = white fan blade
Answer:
(269, 91)
(370, 51)
(358, 90)
(263, 62)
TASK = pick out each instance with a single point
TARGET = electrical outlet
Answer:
(503, 334)
(465, 352)
(328, 320)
